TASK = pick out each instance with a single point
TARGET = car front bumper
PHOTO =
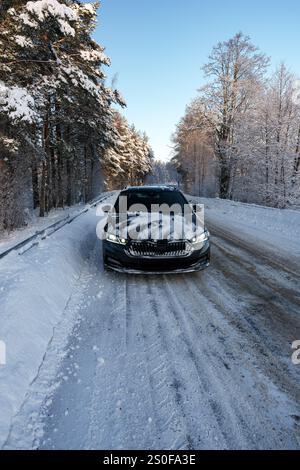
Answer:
(116, 258)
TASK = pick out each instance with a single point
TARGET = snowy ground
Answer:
(276, 230)
(102, 360)
(36, 223)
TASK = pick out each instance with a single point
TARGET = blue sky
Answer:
(157, 48)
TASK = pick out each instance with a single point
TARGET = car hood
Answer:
(154, 226)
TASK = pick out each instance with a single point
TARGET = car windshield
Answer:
(150, 197)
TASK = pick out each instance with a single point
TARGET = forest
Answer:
(240, 136)
(63, 138)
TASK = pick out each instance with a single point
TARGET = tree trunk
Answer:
(53, 178)
(224, 176)
(60, 197)
(69, 183)
(35, 184)
(43, 184)
(224, 180)
(85, 174)
(42, 191)
(296, 165)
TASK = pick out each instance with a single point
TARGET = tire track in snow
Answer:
(264, 253)
(237, 396)
(211, 386)
(200, 420)
(268, 277)
(269, 320)
(172, 430)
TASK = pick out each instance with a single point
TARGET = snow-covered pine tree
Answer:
(18, 117)
(54, 105)
(130, 160)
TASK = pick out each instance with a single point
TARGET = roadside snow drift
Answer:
(34, 291)
(272, 229)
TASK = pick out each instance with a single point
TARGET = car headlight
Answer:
(111, 237)
(198, 240)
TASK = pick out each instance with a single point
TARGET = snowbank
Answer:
(276, 229)
(36, 223)
(35, 288)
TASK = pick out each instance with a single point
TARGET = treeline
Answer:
(240, 137)
(59, 133)
(163, 173)
(130, 159)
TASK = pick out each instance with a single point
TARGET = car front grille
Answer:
(160, 248)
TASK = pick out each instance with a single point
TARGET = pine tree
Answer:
(54, 104)
(130, 160)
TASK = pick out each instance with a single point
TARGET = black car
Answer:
(155, 229)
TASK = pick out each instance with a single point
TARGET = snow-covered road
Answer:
(199, 360)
